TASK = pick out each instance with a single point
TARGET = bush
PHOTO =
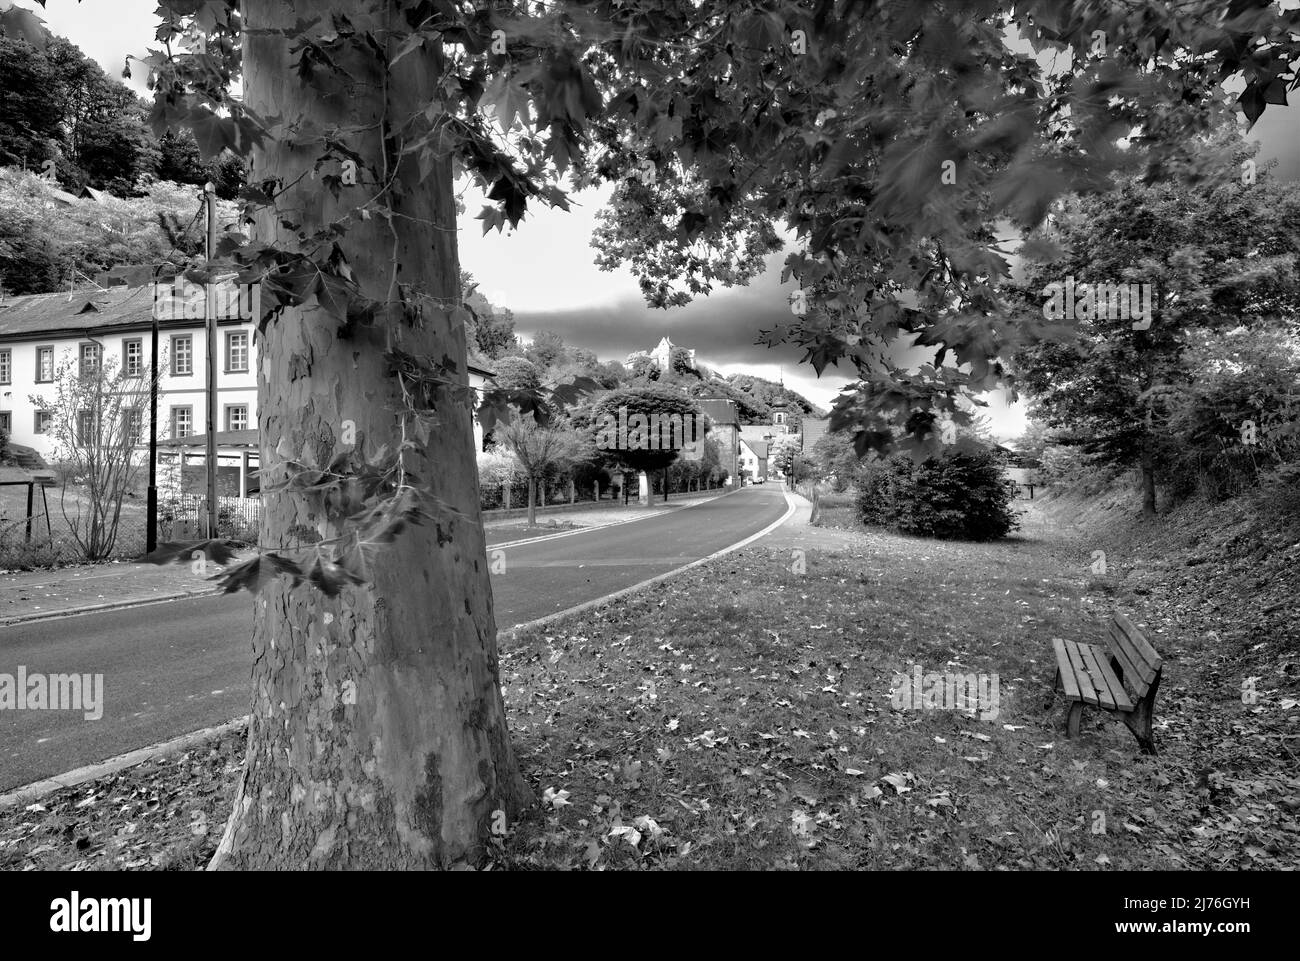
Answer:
(962, 496)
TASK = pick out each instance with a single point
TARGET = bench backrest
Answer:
(1137, 658)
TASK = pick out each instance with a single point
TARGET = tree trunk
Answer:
(532, 501)
(1148, 478)
(378, 737)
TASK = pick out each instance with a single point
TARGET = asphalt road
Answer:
(179, 666)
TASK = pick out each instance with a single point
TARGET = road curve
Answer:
(176, 667)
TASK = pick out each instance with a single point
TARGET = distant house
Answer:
(814, 428)
(753, 459)
(478, 378)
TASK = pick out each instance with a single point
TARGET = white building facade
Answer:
(46, 336)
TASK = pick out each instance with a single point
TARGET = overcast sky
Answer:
(544, 271)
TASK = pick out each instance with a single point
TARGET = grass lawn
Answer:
(740, 718)
(60, 545)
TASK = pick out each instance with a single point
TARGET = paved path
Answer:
(172, 668)
(33, 595)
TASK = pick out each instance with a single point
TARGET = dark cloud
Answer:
(722, 328)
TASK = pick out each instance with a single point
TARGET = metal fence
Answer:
(238, 518)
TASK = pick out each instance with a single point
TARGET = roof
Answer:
(33, 315)
(757, 432)
(719, 410)
(814, 429)
(759, 447)
(224, 438)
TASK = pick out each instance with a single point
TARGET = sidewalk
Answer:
(36, 595)
(511, 528)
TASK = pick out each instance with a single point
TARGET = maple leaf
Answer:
(256, 573)
(182, 552)
(556, 799)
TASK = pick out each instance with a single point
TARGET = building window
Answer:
(133, 424)
(182, 421)
(237, 417)
(6, 422)
(132, 357)
(182, 355)
(89, 365)
(44, 365)
(236, 352)
(85, 428)
(6, 367)
(44, 421)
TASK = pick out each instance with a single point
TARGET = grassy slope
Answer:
(740, 717)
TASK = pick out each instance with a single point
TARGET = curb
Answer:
(107, 606)
(601, 527)
(29, 793)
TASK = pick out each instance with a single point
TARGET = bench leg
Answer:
(1139, 722)
(1072, 719)
(1056, 686)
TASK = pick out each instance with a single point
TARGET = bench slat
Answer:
(1066, 670)
(1134, 668)
(1144, 648)
(1117, 693)
(1139, 673)
(1123, 641)
(1099, 683)
(1086, 691)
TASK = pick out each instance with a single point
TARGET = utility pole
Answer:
(210, 318)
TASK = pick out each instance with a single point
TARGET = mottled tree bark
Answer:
(378, 735)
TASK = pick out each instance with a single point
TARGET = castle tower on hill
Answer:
(662, 355)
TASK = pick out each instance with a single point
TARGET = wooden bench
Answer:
(1122, 676)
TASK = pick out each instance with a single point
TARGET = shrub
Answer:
(962, 496)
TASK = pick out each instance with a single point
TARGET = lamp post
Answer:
(210, 319)
(151, 495)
